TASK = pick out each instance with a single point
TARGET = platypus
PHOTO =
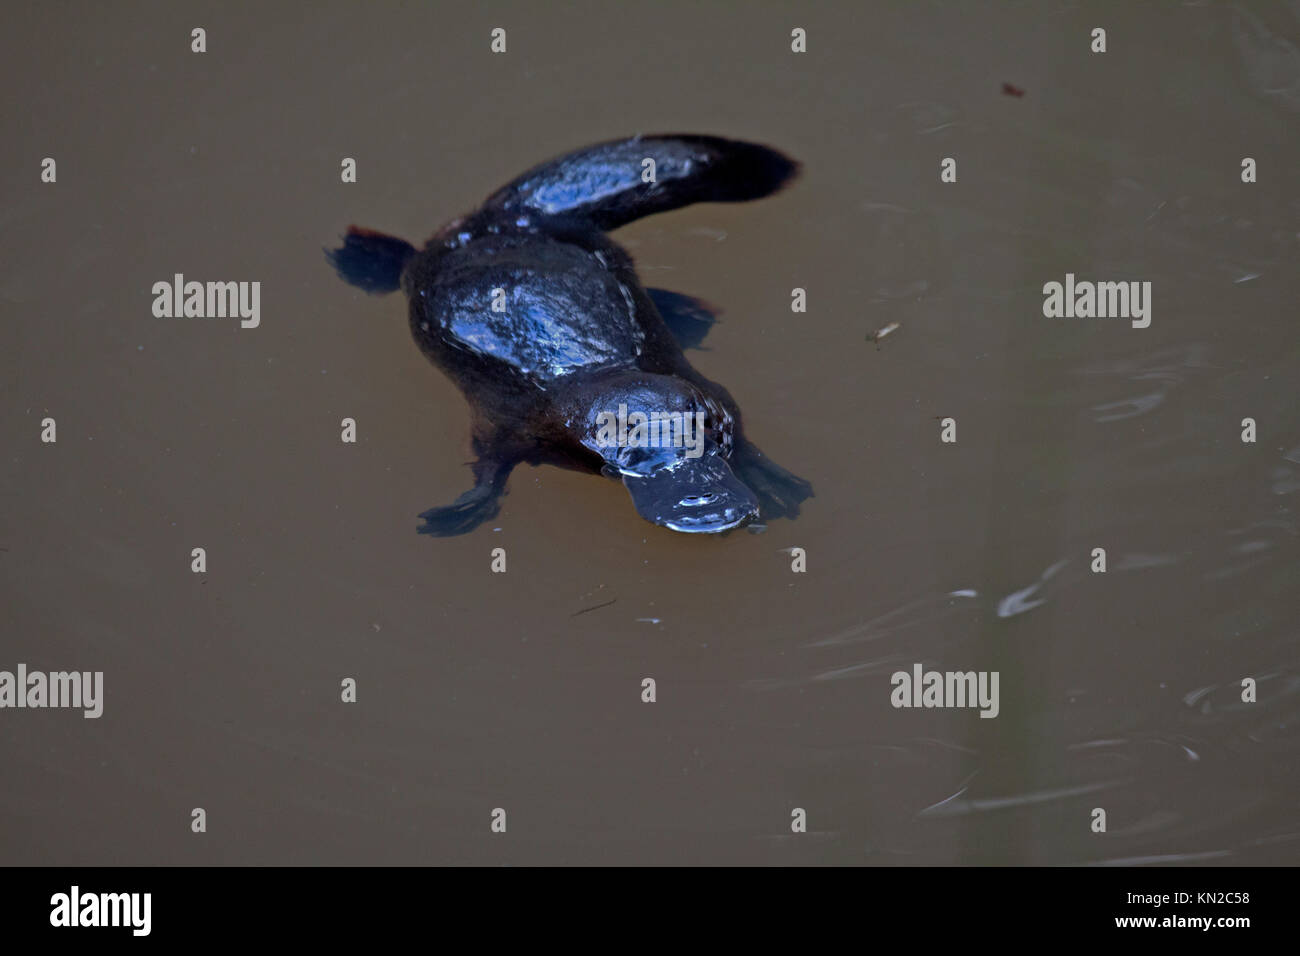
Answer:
(540, 320)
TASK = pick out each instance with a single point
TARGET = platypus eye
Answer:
(641, 460)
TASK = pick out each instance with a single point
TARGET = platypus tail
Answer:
(610, 184)
(371, 260)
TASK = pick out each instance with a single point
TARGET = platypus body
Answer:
(540, 320)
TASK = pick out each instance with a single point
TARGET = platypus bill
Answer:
(540, 320)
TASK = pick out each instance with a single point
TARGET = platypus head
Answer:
(670, 443)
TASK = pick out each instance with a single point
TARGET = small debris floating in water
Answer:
(881, 333)
(594, 607)
(1010, 90)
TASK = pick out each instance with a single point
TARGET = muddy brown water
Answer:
(1120, 691)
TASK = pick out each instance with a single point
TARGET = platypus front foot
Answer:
(464, 514)
(475, 506)
(779, 492)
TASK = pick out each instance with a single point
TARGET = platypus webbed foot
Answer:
(371, 260)
(461, 516)
(779, 492)
(688, 318)
(471, 509)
